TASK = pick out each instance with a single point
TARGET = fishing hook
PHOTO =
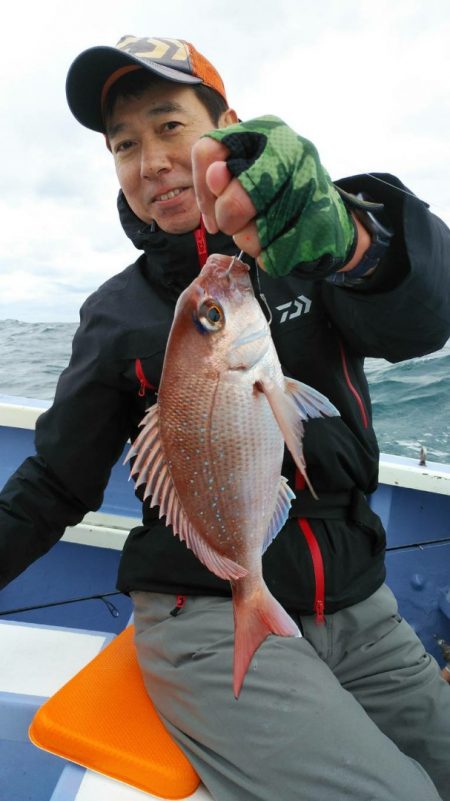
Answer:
(236, 257)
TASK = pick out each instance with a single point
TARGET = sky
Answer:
(368, 82)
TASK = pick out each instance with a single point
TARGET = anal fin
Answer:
(281, 512)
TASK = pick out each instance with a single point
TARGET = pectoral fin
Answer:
(151, 469)
(292, 405)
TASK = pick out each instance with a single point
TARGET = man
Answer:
(354, 709)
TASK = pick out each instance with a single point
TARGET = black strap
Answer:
(347, 505)
(329, 505)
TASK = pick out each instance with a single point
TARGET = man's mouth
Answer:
(168, 195)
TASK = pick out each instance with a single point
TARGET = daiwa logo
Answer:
(293, 309)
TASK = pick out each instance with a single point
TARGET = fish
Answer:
(211, 448)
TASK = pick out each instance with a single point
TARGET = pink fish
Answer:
(211, 448)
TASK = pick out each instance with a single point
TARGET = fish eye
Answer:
(211, 316)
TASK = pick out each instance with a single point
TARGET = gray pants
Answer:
(354, 711)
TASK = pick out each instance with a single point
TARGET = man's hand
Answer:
(224, 204)
(264, 185)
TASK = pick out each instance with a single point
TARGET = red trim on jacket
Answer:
(352, 388)
(316, 557)
(144, 384)
(318, 567)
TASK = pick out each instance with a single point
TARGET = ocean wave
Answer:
(410, 400)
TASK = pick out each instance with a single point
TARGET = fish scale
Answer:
(226, 470)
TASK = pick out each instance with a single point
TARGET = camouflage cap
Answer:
(95, 70)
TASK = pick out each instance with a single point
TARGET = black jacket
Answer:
(322, 333)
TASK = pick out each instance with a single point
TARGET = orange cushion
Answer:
(104, 720)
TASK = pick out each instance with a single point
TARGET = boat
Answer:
(64, 609)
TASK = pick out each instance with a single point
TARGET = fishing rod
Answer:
(112, 609)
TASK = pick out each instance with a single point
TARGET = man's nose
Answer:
(154, 160)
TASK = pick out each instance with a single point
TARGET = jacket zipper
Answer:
(316, 558)
(352, 387)
(202, 253)
(144, 384)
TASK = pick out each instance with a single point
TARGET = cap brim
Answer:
(89, 73)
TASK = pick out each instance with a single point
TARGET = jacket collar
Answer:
(172, 259)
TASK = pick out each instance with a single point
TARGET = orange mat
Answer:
(104, 720)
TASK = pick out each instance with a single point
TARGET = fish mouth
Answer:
(226, 271)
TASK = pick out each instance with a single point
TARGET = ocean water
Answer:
(411, 400)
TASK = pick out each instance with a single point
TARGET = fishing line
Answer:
(405, 191)
(114, 612)
(392, 186)
(262, 295)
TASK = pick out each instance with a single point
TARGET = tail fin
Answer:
(254, 620)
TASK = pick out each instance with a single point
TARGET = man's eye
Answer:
(171, 125)
(122, 146)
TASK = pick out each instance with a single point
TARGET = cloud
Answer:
(367, 82)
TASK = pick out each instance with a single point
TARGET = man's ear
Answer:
(228, 117)
(107, 143)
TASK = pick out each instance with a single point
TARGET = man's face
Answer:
(151, 138)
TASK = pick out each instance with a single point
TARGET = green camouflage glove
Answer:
(300, 217)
